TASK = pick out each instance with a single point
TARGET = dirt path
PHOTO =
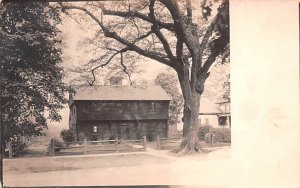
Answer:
(151, 168)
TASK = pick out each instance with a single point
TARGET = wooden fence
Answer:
(92, 147)
(13, 148)
(168, 143)
(9, 149)
(211, 140)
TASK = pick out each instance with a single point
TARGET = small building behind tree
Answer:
(216, 115)
(215, 118)
(118, 111)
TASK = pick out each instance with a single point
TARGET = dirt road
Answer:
(146, 168)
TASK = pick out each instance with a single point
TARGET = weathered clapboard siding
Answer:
(120, 110)
(123, 112)
(122, 129)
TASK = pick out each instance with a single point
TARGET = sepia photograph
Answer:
(140, 93)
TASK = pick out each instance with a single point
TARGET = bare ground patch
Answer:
(47, 164)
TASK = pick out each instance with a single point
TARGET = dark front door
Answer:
(122, 133)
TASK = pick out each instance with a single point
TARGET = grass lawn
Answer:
(46, 164)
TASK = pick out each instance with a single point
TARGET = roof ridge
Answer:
(122, 92)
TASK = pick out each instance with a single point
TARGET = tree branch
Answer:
(162, 58)
(94, 79)
(179, 49)
(104, 64)
(208, 33)
(183, 30)
(109, 60)
(189, 12)
(135, 14)
(125, 69)
(219, 45)
(160, 36)
(210, 60)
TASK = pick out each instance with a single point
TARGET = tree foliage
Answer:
(169, 83)
(31, 77)
(188, 36)
(226, 87)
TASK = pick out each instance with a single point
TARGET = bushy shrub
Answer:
(203, 130)
(218, 134)
(57, 144)
(222, 135)
(67, 135)
(17, 146)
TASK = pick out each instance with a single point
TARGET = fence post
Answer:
(52, 147)
(49, 148)
(145, 143)
(10, 153)
(117, 144)
(158, 142)
(212, 139)
(85, 146)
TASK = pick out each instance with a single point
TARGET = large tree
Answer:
(31, 77)
(186, 35)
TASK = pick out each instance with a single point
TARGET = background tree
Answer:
(187, 36)
(31, 77)
(169, 82)
(226, 87)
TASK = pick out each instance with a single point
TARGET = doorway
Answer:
(123, 131)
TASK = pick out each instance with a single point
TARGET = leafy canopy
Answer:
(31, 77)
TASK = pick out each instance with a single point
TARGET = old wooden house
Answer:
(118, 111)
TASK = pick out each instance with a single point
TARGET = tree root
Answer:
(185, 149)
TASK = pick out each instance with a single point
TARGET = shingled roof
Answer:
(121, 92)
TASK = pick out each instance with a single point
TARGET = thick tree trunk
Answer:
(190, 140)
(190, 115)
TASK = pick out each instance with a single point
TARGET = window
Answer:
(151, 127)
(152, 107)
(95, 129)
(222, 120)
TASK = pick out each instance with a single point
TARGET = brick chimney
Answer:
(115, 80)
